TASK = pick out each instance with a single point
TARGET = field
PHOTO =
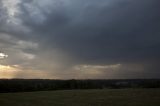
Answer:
(105, 97)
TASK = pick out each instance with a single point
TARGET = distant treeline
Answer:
(27, 85)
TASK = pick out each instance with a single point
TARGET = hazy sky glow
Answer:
(66, 39)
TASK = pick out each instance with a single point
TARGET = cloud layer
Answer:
(81, 38)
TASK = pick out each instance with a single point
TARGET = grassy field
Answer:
(107, 97)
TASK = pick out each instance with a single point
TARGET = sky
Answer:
(80, 39)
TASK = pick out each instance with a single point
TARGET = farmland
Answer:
(104, 97)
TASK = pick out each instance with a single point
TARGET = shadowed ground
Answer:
(106, 97)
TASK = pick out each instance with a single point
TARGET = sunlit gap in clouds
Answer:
(5, 71)
(3, 55)
(2, 67)
(16, 71)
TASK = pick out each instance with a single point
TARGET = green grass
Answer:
(107, 97)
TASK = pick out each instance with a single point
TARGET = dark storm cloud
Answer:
(99, 31)
(63, 36)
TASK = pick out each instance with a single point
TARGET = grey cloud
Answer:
(101, 30)
(93, 32)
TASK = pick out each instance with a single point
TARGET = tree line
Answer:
(28, 85)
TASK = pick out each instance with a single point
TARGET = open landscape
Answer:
(47, 92)
(105, 97)
(79, 52)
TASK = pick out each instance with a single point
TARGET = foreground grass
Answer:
(107, 97)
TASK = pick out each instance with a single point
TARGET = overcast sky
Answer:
(80, 39)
